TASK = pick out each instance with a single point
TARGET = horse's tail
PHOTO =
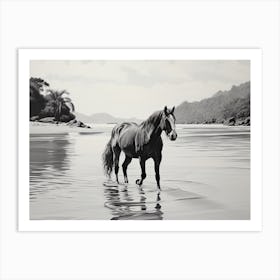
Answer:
(107, 158)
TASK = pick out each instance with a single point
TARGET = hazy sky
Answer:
(138, 88)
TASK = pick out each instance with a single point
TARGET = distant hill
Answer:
(83, 118)
(229, 107)
(103, 118)
(232, 106)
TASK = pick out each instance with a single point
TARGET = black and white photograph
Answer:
(139, 139)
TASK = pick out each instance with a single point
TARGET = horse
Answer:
(141, 141)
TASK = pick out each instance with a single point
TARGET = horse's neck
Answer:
(154, 131)
(151, 127)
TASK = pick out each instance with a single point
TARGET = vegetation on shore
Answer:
(230, 107)
(49, 105)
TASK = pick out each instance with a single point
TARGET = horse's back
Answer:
(125, 137)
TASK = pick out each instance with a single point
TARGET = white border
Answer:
(254, 55)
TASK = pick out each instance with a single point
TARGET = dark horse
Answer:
(139, 141)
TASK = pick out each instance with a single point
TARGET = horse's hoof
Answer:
(138, 182)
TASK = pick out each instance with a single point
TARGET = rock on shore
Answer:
(51, 120)
(78, 124)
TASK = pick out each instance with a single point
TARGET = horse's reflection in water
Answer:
(132, 206)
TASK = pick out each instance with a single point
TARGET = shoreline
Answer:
(37, 128)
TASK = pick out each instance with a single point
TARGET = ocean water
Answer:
(205, 175)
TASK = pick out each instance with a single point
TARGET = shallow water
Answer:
(205, 174)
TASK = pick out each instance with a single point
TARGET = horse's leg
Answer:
(126, 162)
(116, 151)
(143, 171)
(157, 160)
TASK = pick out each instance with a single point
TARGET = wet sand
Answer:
(205, 175)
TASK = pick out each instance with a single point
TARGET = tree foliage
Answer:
(37, 100)
(222, 106)
(56, 103)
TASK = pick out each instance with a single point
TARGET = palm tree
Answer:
(61, 102)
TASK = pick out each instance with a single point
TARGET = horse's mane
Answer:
(145, 130)
(152, 120)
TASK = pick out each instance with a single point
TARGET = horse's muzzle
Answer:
(173, 135)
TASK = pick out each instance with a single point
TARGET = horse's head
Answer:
(168, 123)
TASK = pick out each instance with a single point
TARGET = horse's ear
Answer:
(172, 110)
(165, 110)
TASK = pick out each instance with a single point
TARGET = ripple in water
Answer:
(205, 175)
